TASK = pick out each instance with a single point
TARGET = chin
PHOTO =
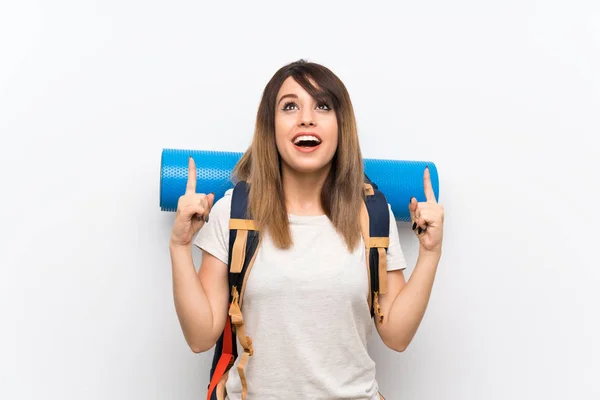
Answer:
(307, 166)
(309, 169)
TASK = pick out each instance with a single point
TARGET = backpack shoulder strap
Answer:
(244, 240)
(375, 227)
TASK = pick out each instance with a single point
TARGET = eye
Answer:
(289, 105)
(323, 106)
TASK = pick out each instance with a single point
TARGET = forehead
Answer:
(290, 86)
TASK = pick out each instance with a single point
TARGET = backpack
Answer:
(244, 240)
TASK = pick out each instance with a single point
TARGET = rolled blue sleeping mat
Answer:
(397, 179)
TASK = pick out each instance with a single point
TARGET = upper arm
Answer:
(395, 283)
(213, 275)
(213, 240)
(396, 263)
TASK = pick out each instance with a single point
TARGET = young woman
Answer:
(305, 303)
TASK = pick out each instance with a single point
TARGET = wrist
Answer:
(175, 246)
(435, 254)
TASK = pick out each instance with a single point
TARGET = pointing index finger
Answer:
(429, 194)
(191, 182)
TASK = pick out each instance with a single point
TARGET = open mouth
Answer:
(307, 141)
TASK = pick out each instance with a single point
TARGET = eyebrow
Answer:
(285, 96)
(320, 95)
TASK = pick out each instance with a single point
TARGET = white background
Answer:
(503, 96)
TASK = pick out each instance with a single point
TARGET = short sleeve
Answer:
(395, 256)
(214, 235)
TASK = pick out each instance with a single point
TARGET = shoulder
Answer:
(214, 235)
(222, 207)
(395, 255)
(392, 216)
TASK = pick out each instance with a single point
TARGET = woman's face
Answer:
(306, 131)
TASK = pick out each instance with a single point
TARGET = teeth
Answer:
(306, 138)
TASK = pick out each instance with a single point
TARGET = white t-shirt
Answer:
(306, 310)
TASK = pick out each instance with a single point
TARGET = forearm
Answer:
(408, 308)
(191, 303)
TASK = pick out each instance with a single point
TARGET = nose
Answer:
(306, 119)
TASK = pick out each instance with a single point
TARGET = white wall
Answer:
(503, 96)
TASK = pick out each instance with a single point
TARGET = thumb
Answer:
(211, 199)
(412, 207)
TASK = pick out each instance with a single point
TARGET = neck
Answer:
(302, 191)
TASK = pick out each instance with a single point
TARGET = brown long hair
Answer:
(260, 166)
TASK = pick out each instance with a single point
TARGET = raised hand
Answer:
(427, 218)
(192, 210)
